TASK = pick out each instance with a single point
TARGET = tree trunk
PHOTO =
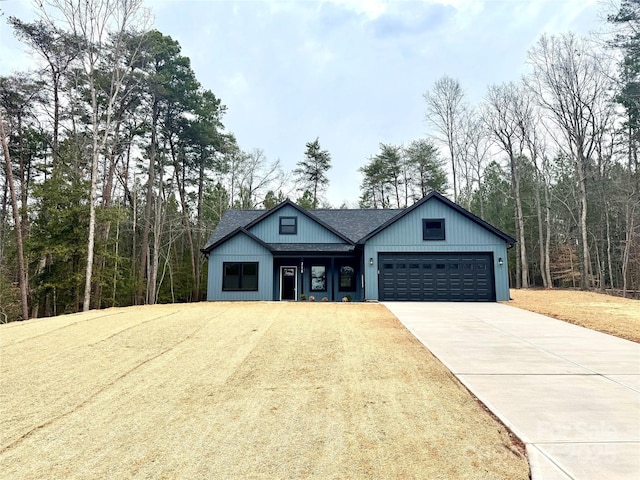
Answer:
(547, 240)
(518, 258)
(199, 219)
(186, 223)
(22, 271)
(515, 177)
(540, 231)
(144, 248)
(584, 251)
(609, 262)
(95, 154)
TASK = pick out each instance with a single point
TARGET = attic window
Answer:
(433, 229)
(288, 225)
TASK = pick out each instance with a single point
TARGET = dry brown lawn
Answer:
(238, 390)
(604, 313)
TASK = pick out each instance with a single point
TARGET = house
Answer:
(434, 250)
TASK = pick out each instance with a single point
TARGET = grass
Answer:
(238, 390)
(607, 314)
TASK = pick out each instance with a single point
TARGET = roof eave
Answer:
(304, 212)
(507, 238)
(207, 250)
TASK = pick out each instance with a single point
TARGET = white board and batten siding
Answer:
(240, 248)
(461, 235)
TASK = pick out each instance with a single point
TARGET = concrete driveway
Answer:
(571, 394)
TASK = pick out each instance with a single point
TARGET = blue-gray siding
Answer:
(462, 235)
(309, 231)
(240, 248)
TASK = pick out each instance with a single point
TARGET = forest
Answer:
(117, 164)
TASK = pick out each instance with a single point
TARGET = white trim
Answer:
(295, 286)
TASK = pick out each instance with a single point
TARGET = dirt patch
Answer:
(238, 390)
(604, 313)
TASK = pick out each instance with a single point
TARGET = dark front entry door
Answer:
(288, 283)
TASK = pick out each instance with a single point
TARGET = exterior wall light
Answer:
(370, 260)
(500, 261)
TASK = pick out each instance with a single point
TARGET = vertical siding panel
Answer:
(240, 248)
(308, 230)
(461, 235)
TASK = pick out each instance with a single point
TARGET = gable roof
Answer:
(245, 219)
(353, 226)
(233, 233)
(435, 195)
(304, 212)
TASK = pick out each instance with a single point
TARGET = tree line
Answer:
(117, 163)
(552, 159)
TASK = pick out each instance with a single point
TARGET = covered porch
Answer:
(334, 273)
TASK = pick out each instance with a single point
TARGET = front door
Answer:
(288, 283)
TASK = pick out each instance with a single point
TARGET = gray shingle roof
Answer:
(353, 224)
(230, 221)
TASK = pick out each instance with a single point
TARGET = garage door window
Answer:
(433, 229)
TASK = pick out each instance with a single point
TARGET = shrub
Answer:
(303, 297)
(312, 298)
(325, 299)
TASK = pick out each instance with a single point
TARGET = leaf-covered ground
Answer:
(597, 311)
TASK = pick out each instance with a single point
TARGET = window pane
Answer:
(231, 276)
(318, 278)
(347, 279)
(249, 269)
(433, 229)
(240, 276)
(250, 282)
(433, 224)
(232, 269)
(288, 225)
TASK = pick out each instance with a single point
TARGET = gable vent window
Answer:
(288, 225)
(433, 229)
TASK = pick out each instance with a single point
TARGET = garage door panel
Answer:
(436, 277)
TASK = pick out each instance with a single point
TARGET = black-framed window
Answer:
(347, 279)
(318, 278)
(240, 276)
(288, 225)
(433, 229)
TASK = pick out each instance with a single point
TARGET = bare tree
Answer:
(445, 106)
(473, 143)
(505, 114)
(571, 82)
(101, 26)
(22, 272)
(252, 176)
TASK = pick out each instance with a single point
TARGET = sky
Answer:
(350, 72)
